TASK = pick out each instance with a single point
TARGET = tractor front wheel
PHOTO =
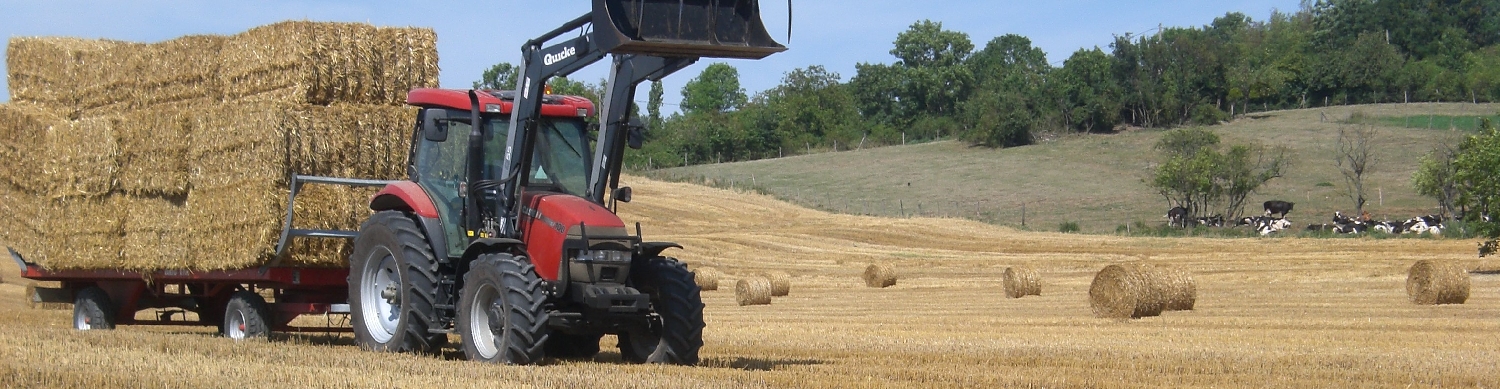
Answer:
(502, 315)
(674, 297)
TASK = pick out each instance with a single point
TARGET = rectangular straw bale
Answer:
(144, 76)
(321, 63)
(82, 157)
(327, 207)
(153, 150)
(54, 70)
(23, 145)
(20, 221)
(155, 233)
(81, 233)
(350, 140)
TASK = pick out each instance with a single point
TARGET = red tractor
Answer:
(503, 233)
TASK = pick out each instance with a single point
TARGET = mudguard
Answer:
(654, 249)
(404, 196)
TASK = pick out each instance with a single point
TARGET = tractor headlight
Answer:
(605, 256)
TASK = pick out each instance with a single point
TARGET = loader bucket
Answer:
(683, 28)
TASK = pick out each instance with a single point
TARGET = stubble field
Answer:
(1273, 312)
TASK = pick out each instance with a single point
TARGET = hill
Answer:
(1097, 180)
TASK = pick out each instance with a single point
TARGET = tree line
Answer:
(1330, 52)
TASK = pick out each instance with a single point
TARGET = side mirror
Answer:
(621, 194)
(636, 134)
(435, 125)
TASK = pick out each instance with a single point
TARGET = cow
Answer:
(1270, 225)
(1340, 219)
(1389, 227)
(1278, 207)
(1432, 224)
(1177, 217)
(1321, 227)
(1211, 221)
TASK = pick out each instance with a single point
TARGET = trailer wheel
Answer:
(92, 310)
(246, 316)
(674, 297)
(502, 315)
(571, 346)
(392, 286)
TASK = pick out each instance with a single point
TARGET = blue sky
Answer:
(472, 35)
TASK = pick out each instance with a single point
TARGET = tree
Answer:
(1089, 94)
(653, 105)
(811, 106)
(1435, 178)
(1355, 157)
(1477, 174)
(501, 76)
(1195, 175)
(715, 90)
(929, 77)
(1005, 107)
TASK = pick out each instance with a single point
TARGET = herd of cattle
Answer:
(1274, 220)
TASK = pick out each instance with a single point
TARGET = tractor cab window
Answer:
(560, 161)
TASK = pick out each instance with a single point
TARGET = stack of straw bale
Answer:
(177, 154)
(1136, 290)
(1434, 282)
(296, 61)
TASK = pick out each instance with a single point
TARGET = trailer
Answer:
(234, 301)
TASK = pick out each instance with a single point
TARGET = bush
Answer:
(1068, 227)
(1208, 114)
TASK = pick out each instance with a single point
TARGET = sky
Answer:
(474, 35)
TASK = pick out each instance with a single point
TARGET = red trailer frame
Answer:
(296, 291)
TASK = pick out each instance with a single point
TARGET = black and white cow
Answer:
(1432, 224)
(1211, 221)
(1278, 207)
(1389, 227)
(1177, 217)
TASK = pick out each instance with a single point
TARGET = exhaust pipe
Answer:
(683, 28)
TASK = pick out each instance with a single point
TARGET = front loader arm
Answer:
(629, 70)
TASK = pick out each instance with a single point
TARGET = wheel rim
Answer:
(80, 319)
(486, 303)
(235, 327)
(380, 297)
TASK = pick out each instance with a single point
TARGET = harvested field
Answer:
(1336, 308)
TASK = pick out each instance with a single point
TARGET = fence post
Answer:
(902, 205)
(1023, 214)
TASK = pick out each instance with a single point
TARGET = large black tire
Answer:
(92, 310)
(502, 313)
(392, 286)
(674, 297)
(246, 317)
(571, 346)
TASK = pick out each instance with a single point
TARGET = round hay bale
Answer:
(1182, 290)
(1432, 282)
(879, 275)
(1021, 282)
(781, 283)
(753, 291)
(707, 278)
(1127, 291)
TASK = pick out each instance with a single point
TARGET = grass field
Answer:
(1277, 312)
(1096, 181)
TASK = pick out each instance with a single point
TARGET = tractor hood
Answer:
(549, 219)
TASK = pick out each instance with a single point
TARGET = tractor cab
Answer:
(440, 148)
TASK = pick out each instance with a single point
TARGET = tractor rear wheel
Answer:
(245, 317)
(92, 310)
(392, 286)
(502, 316)
(674, 297)
(571, 346)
